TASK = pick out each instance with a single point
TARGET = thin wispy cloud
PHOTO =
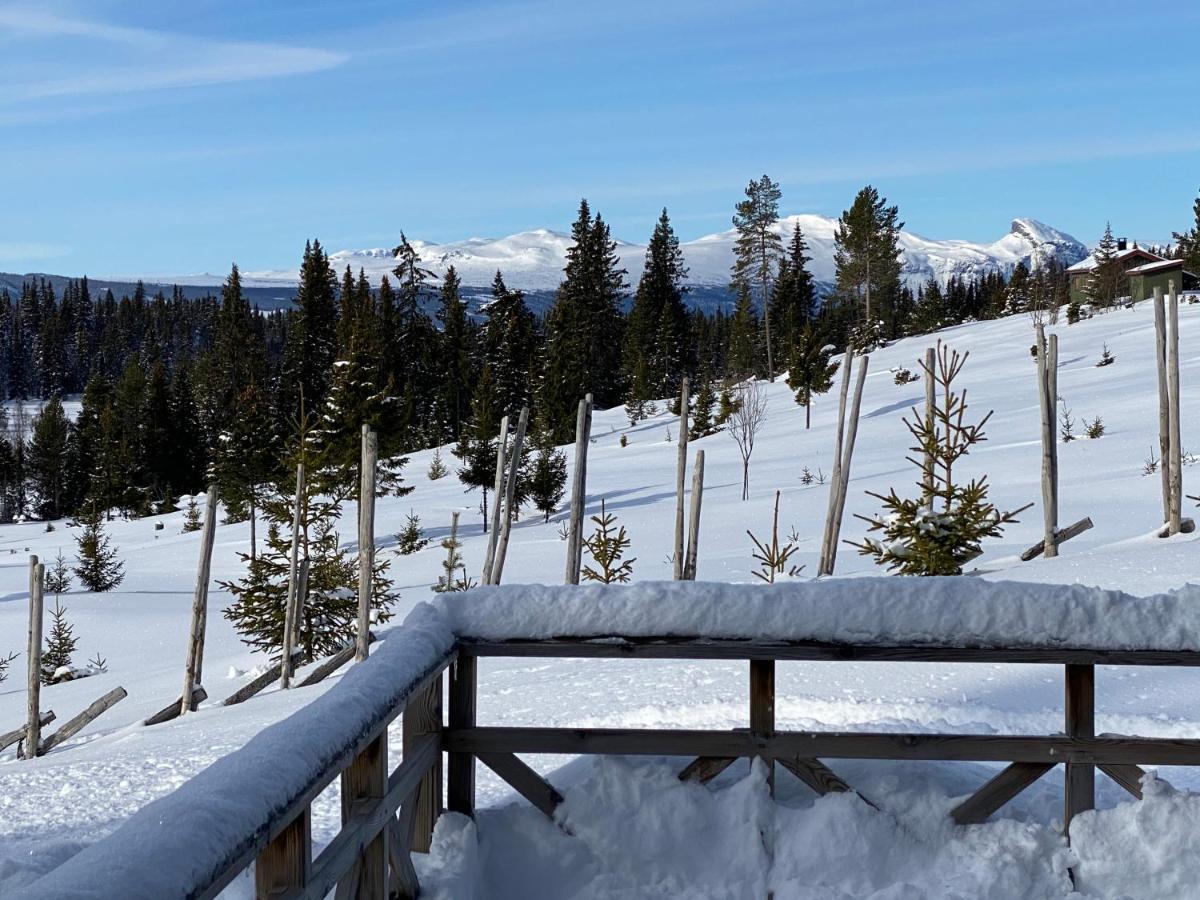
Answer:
(18, 251)
(162, 60)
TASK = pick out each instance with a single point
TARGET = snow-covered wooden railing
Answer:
(251, 807)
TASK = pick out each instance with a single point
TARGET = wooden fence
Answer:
(386, 815)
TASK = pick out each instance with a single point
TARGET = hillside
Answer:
(80, 791)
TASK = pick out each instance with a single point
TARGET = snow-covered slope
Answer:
(83, 789)
(534, 260)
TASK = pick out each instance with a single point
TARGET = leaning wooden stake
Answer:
(195, 653)
(1176, 463)
(1164, 401)
(689, 566)
(33, 727)
(1061, 536)
(583, 431)
(290, 608)
(833, 525)
(510, 493)
(501, 449)
(75, 725)
(680, 478)
(366, 540)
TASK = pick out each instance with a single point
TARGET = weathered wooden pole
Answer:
(583, 432)
(1048, 406)
(85, 718)
(1080, 782)
(844, 469)
(297, 588)
(510, 491)
(930, 406)
(492, 525)
(693, 544)
(680, 478)
(366, 540)
(290, 616)
(193, 669)
(1176, 466)
(1164, 401)
(33, 726)
(835, 477)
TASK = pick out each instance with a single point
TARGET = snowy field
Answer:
(638, 831)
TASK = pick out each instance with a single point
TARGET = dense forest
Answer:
(177, 392)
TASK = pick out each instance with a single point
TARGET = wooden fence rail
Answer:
(388, 815)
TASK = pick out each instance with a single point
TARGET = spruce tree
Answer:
(411, 538)
(742, 357)
(793, 302)
(702, 423)
(246, 459)
(60, 644)
(1188, 242)
(607, 547)
(454, 354)
(508, 344)
(1107, 281)
(811, 370)
(58, 577)
(868, 262)
(548, 475)
(97, 565)
(656, 333)
(437, 468)
(311, 344)
(192, 520)
(87, 441)
(48, 459)
(757, 250)
(478, 445)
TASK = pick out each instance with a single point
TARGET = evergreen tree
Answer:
(192, 520)
(478, 445)
(246, 459)
(97, 566)
(238, 357)
(811, 369)
(58, 577)
(508, 347)
(656, 333)
(1107, 281)
(758, 250)
(87, 441)
(455, 353)
(793, 302)
(48, 459)
(60, 644)
(702, 413)
(548, 475)
(1188, 242)
(411, 538)
(311, 344)
(437, 468)
(607, 548)
(867, 256)
(742, 353)
(583, 328)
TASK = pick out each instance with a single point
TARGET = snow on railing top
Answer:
(182, 843)
(925, 612)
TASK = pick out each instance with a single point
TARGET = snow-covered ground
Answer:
(638, 832)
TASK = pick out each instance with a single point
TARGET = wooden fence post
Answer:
(423, 715)
(460, 774)
(1176, 465)
(193, 666)
(366, 780)
(1080, 708)
(680, 478)
(693, 545)
(1164, 402)
(762, 706)
(583, 436)
(497, 494)
(510, 493)
(1048, 406)
(842, 482)
(285, 863)
(366, 541)
(33, 726)
(290, 617)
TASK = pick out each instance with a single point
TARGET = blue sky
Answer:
(166, 138)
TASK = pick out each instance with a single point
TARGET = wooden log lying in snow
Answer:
(1063, 534)
(11, 737)
(248, 690)
(167, 713)
(75, 725)
(333, 663)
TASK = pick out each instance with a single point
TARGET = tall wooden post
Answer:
(1048, 406)
(1164, 401)
(930, 406)
(680, 478)
(193, 667)
(510, 493)
(33, 727)
(693, 544)
(366, 780)
(762, 705)
(497, 495)
(583, 432)
(835, 478)
(1175, 522)
(366, 541)
(423, 715)
(842, 482)
(289, 615)
(1080, 711)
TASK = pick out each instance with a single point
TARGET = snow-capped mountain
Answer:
(534, 260)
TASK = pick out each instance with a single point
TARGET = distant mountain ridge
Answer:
(533, 261)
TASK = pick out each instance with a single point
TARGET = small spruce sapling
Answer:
(60, 644)
(905, 376)
(450, 580)
(943, 528)
(191, 516)
(624, 442)
(98, 568)
(58, 576)
(1106, 357)
(437, 468)
(412, 538)
(1066, 426)
(773, 558)
(4, 664)
(1094, 428)
(607, 548)
(806, 476)
(1150, 466)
